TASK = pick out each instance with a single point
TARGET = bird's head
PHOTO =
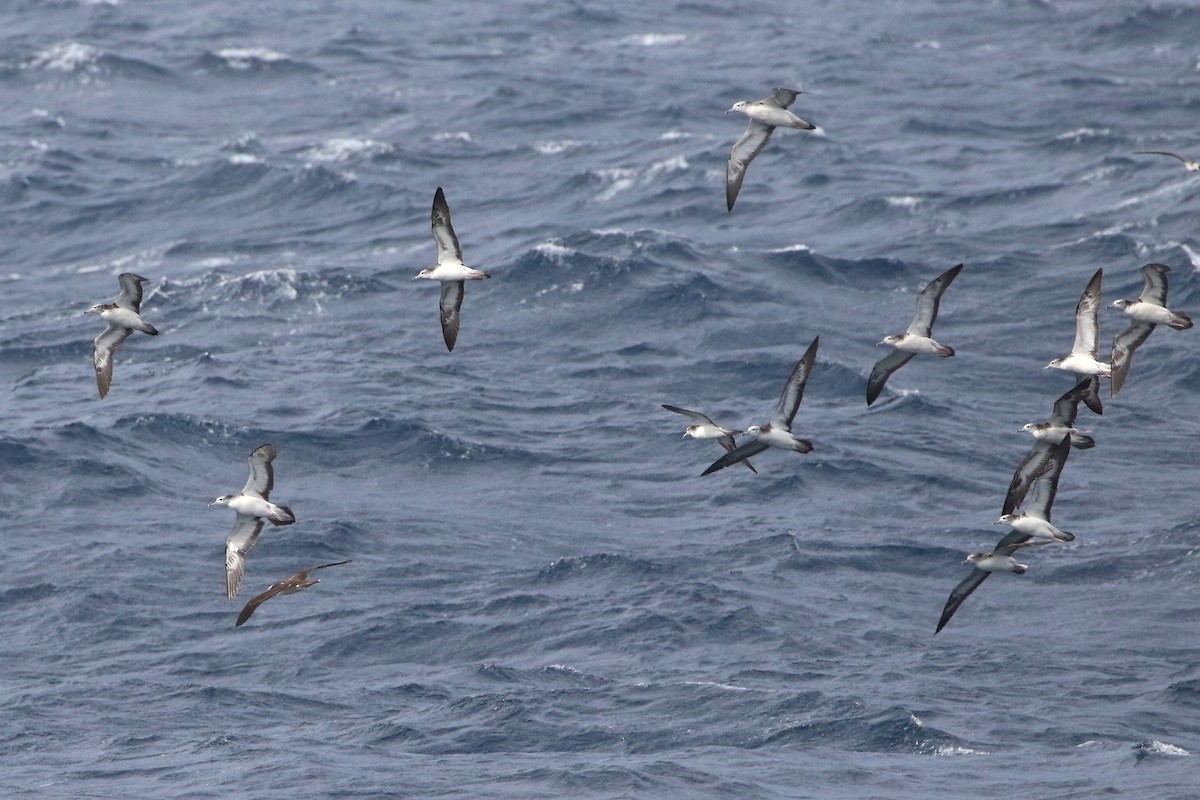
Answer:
(740, 105)
(1055, 363)
(892, 340)
(1119, 304)
(425, 273)
(975, 558)
(754, 430)
(223, 500)
(1006, 519)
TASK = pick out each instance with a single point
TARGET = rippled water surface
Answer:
(545, 598)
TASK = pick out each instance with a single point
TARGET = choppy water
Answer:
(545, 599)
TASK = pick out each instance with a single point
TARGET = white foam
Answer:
(791, 248)
(553, 249)
(245, 57)
(342, 149)
(955, 750)
(1081, 133)
(671, 136)
(1192, 255)
(618, 178)
(66, 57)
(673, 164)
(729, 687)
(654, 39)
(903, 201)
(1164, 749)
(244, 158)
(456, 136)
(553, 148)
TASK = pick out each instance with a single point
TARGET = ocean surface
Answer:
(545, 598)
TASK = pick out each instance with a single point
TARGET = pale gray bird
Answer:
(765, 116)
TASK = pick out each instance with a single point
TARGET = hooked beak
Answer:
(882, 341)
(997, 522)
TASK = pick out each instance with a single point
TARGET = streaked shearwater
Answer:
(1035, 522)
(1062, 418)
(290, 585)
(765, 116)
(1188, 164)
(777, 432)
(999, 560)
(1082, 358)
(916, 339)
(705, 428)
(1148, 310)
(252, 505)
(123, 316)
(450, 269)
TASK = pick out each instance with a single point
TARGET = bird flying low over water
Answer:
(765, 116)
(1062, 418)
(1148, 310)
(124, 316)
(1031, 528)
(450, 269)
(917, 339)
(705, 428)
(1188, 164)
(295, 583)
(252, 505)
(777, 432)
(1082, 358)
(1036, 520)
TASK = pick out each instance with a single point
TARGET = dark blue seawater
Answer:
(546, 599)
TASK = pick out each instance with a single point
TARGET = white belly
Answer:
(1148, 312)
(922, 345)
(123, 317)
(252, 506)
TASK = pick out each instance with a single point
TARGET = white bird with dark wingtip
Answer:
(777, 432)
(705, 428)
(1188, 164)
(999, 560)
(1082, 358)
(1035, 522)
(291, 585)
(450, 269)
(1028, 529)
(253, 505)
(916, 340)
(124, 316)
(1066, 410)
(1148, 310)
(765, 116)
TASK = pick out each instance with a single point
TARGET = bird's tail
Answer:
(285, 517)
(803, 446)
(944, 351)
(1019, 568)
(1063, 536)
(1180, 321)
(153, 331)
(1082, 440)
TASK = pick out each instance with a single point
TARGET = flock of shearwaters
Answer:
(1036, 477)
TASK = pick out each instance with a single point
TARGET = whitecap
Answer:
(1081, 133)
(654, 39)
(673, 164)
(903, 201)
(247, 57)
(618, 178)
(1161, 748)
(455, 136)
(791, 248)
(342, 149)
(244, 158)
(66, 57)
(552, 148)
(553, 249)
(671, 136)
